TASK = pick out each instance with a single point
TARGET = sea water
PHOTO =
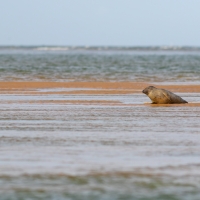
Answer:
(100, 64)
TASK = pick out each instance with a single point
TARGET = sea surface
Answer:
(130, 151)
(150, 64)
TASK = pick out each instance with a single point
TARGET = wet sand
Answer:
(97, 141)
(107, 87)
(89, 88)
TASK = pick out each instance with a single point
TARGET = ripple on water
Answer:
(67, 151)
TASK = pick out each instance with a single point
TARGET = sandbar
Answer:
(103, 87)
(91, 88)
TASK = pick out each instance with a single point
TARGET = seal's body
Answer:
(162, 96)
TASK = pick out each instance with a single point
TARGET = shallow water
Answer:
(75, 151)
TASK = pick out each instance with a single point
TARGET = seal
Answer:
(162, 96)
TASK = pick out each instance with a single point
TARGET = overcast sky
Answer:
(100, 22)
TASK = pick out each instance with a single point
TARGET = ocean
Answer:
(89, 143)
(150, 64)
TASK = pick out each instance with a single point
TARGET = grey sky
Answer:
(100, 22)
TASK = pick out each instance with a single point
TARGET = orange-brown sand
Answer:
(85, 102)
(103, 87)
(92, 88)
(174, 105)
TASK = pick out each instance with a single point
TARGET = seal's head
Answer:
(148, 89)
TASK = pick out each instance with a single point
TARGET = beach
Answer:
(76, 125)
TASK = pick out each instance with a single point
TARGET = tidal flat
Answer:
(97, 141)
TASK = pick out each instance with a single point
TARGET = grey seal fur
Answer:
(162, 96)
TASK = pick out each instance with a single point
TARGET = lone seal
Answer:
(162, 96)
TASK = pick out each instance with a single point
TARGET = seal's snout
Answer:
(145, 91)
(148, 89)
